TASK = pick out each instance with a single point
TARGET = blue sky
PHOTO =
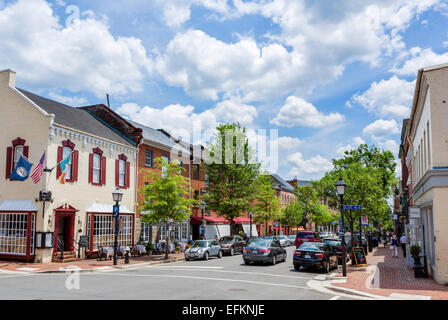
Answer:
(328, 77)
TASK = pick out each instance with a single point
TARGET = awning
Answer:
(241, 220)
(106, 208)
(18, 206)
(210, 220)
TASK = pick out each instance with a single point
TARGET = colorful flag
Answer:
(38, 170)
(63, 165)
(22, 170)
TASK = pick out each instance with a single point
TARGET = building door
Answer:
(64, 231)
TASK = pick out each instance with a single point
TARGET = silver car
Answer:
(284, 241)
(203, 249)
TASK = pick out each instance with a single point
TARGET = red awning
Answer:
(241, 220)
(210, 220)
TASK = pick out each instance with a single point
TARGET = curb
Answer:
(355, 292)
(101, 270)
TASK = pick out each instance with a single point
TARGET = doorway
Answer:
(64, 231)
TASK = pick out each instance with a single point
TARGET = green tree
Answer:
(267, 205)
(232, 170)
(292, 214)
(163, 197)
(307, 195)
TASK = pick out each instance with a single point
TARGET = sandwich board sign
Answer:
(360, 256)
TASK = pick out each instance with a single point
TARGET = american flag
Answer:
(38, 170)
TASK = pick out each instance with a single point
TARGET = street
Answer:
(227, 278)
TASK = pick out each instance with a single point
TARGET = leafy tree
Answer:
(163, 197)
(307, 195)
(232, 170)
(292, 214)
(322, 215)
(267, 205)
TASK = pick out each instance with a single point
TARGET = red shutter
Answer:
(58, 172)
(26, 151)
(117, 173)
(75, 165)
(90, 167)
(103, 170)
(128, 174)
(8, 161)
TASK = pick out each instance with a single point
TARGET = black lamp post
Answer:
(340, 188)
(250, 221)
(117, 195)
(202, 218)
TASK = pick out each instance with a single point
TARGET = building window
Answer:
(196, 171)
(96, 168)
(66, 152)
(146, 232)
(149, 158)
(14, 233)
(13, 154)
(71, 169)
(164, 168)
(18, 151)
(103, 231)
(122, 172)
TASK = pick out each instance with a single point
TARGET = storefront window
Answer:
(14, 233)
(103, 231)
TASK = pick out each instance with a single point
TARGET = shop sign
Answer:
(414, 212)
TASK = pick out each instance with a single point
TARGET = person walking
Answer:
(395, 246)
(384, 240)
(403, 240)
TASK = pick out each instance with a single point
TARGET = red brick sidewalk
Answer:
(394, 278)
(88, 264)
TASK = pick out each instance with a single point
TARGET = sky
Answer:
(327, 75)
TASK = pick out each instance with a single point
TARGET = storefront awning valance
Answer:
(241, 220)
(106, 208)
(210, 220)
(18, 206)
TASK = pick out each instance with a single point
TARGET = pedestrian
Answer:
(403, 240)
(394, 246)
(384, 240)
(216, 237)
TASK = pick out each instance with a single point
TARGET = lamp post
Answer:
(117, 195)
(340, 188)
(250, 224)
(202, 219)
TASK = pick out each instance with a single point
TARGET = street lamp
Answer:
(250, 221)
(202, 218)
(117, 195)
(340, 189)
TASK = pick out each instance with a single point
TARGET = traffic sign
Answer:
(353, 207)
(116, 211)
(202, 229)
(364, 221)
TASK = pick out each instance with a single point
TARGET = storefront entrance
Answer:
(64, 228)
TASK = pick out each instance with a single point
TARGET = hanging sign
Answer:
(364, 221)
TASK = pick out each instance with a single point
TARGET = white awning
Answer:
(106, 208)
(18, 205)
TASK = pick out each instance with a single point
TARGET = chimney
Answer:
(8, 77)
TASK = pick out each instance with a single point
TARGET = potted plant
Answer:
(149, 248)
(415, 251)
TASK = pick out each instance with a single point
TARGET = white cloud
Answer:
(71, 101)
(289, 143)
(312, 168)
(356, 142)
(392, 97)
(417, 58)
(298, 112)
(82, 56)
(381, 128)
(390, 145)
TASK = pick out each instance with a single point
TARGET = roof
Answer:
(75, 118)
(283, 185)
(106, 208)
(156, 136)
(18, 205)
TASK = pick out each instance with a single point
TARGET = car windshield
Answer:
(281, 237)
(311, 246)
(200, 244)
(260, 243)
(304, 235)
(291, 236)
(268, 237)
(328, 240)
(334, 243)
(226, 239)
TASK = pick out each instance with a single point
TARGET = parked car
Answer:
(324, 234)
(203, 249)
(315, 255)
(264, 250)
(292, 238)
(252, 239)
(232, 244)
(284, 241)
(306, 236)
(337, 245)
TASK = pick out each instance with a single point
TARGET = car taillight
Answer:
(297, 253)
(340, 249)
(319, 255)
(265, 251)
(247, 250)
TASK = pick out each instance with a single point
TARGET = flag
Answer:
(63, 164)
(38, 170)
(22, 170)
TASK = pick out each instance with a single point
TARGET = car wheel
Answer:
(327, 267)
(232, 251)
(284, 257)
(220, 254)
(188, 259)
(297, 267)
(206, 256)
(274, 260)
(246, 262)
(336, 264)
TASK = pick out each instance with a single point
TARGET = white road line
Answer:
(239, 272)
(193, 266)
(202, 278)
(335, 298)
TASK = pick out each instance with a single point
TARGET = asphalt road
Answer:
(227, 278)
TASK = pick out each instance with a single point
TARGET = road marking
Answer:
(193, 266)
(335, 298)
(202, 278)
(28, 269)
(409, 296)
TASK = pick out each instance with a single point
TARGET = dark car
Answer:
(315, 255)
(232, 244)
(306, 236)
(264, 250)
(252, 239)
(337, 246)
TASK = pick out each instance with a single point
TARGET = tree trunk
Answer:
(167, 241)
(266, 227)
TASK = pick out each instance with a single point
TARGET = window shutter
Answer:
(26, 151)
(90, 167)
(117, 173)
(8, 161)
(128, 173)
(58, 169)
(75, 165)
(103, 170)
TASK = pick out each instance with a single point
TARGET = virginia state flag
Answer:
(22, 170)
